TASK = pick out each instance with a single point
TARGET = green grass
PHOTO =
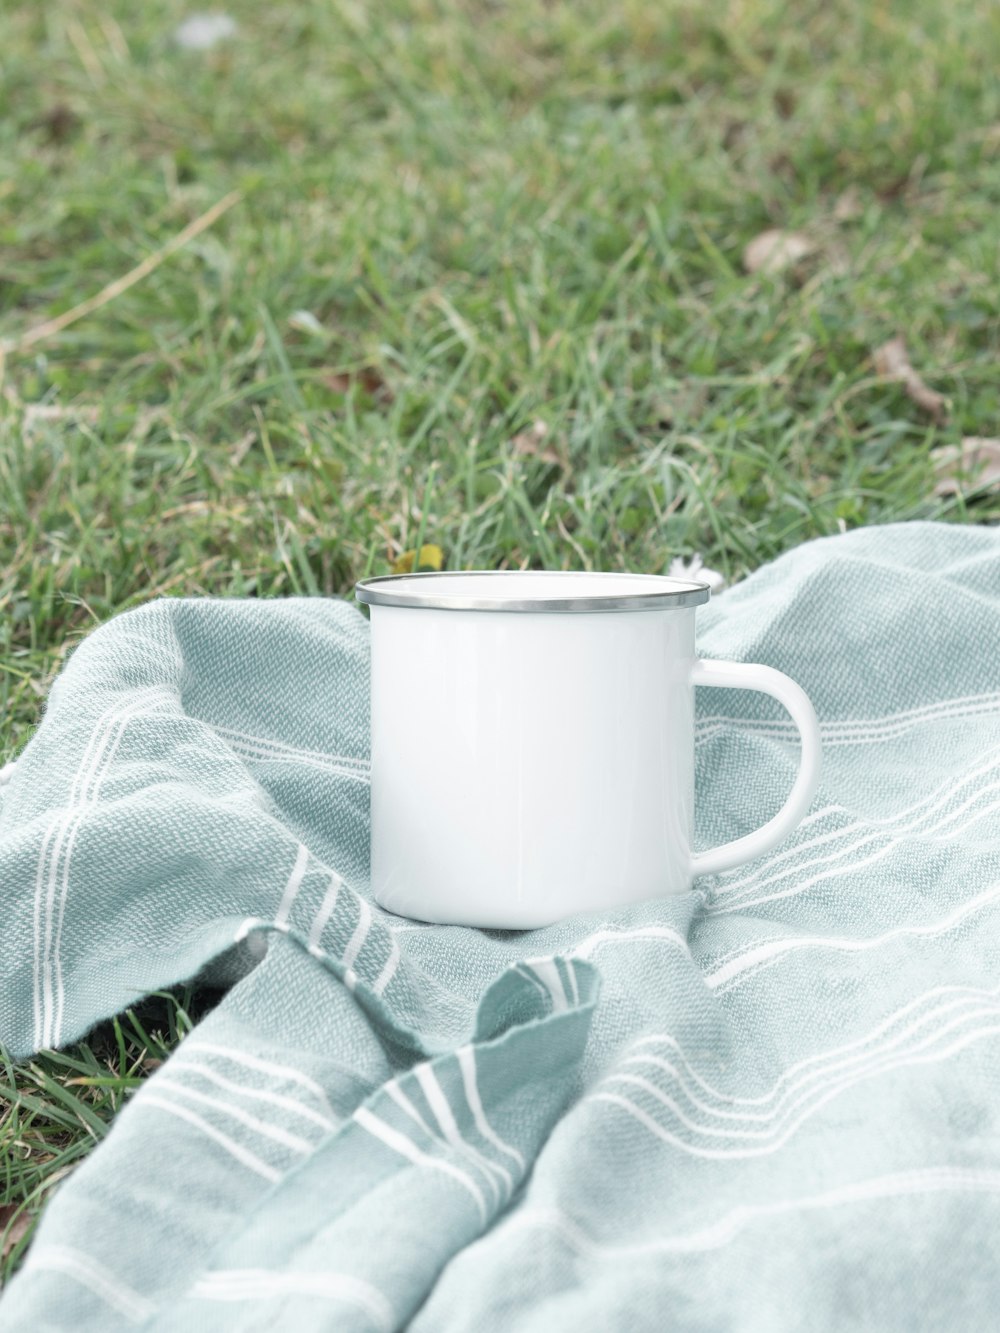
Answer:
(491, 215)
(57, 1107)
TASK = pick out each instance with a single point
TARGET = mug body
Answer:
(528, 765)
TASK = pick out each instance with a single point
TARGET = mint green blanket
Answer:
(772, 1103)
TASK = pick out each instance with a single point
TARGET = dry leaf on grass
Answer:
(892, 361)
(431, 557)
(532, 443)
(848, 206)
(14, 1225)
(58, 123)
(366, 378)
(772, 251)
(967, 468)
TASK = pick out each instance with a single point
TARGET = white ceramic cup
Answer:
(533, 744)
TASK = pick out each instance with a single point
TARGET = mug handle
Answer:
(751, 676)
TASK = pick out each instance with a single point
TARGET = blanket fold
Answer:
(769, 1103)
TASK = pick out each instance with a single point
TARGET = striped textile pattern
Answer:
(770, 1103)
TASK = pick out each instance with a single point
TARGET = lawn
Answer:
(482, 285)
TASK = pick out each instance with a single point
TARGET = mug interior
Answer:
(525, 590)
(514, 584)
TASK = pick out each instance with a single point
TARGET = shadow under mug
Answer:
(533, 744)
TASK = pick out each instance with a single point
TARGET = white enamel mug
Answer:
(533, 744)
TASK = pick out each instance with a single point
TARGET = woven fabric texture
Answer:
(770, 1103)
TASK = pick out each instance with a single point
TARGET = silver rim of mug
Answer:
(386, 590)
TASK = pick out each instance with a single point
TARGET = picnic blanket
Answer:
(770, 1103)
